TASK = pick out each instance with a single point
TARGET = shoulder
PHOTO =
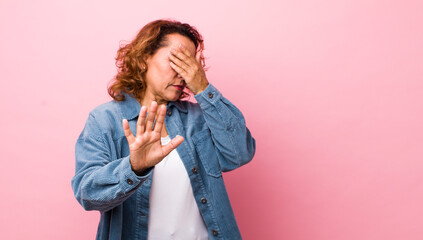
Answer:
(106, 109)
(105, 119)
(106, 114)
(128, 109)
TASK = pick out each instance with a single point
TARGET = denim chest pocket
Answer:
(206, 151)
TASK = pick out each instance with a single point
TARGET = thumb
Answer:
(174, 143)
(129, 136)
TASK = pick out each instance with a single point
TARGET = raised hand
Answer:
(189, 67)
(145, 148)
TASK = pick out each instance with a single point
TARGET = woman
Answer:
(145, 185)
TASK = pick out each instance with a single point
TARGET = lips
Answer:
(179, 87)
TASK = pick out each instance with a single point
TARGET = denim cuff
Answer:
(208, 97)
(131, 179)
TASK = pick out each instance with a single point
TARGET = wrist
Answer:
(137, 168)
(205, 85)
(142, 172)
(139, 171)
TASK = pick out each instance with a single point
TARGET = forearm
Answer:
(100, 184)
(233, 140)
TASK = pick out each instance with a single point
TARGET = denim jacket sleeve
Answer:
(101, 182)
(233, 141)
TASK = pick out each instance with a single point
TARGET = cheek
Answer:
(166, 68)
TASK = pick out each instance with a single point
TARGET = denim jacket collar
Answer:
(130, 107)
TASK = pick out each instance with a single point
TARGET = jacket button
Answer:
(194, 170)
(169, 112)
(129, 181)
(203, 201)
(210, 95)
(215, 232)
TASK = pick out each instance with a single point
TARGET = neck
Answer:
(147, 100)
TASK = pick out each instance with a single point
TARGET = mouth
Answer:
(179, 87)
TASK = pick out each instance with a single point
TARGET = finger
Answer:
(151, 115)
(177, 61)
(189, 64)
(174, 143)
(161, 113)
(127, 131)
(183, 55)
(184, 50)
(141, 120)
(178, 69)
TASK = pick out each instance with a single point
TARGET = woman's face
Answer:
(163, 83)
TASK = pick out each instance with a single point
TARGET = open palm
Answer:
(145, 148)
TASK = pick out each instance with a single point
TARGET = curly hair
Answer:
(130, 59)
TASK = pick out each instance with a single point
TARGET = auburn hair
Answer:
(130, 58)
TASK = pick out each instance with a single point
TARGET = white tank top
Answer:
(174, 213)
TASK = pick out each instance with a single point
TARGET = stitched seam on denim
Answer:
(137, 234)
(97, 124)
(113, 201)
(213, 216)
(94, 137)
(202, 186)
(199, 140)
(104, 133)
(220, 106)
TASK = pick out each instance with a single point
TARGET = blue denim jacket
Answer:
(216, 140)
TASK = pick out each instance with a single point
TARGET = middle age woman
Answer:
(152, 163)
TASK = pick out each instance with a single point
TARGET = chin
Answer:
(173, 98)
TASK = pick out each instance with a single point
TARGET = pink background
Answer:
(332, 91)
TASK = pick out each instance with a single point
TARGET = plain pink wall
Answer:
(332, 91)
